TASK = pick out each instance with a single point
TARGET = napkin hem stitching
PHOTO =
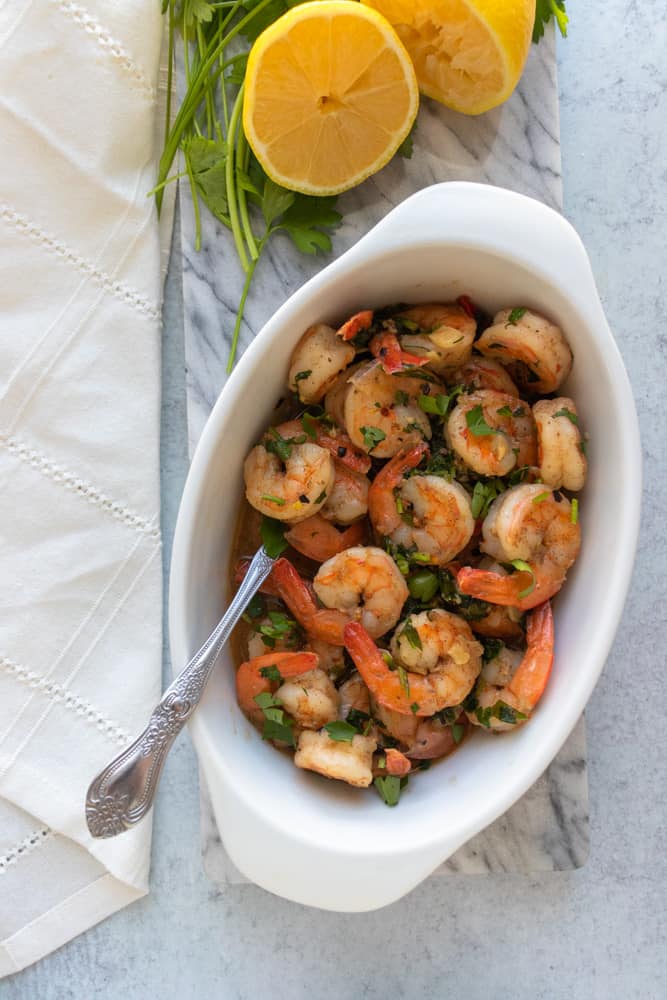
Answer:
(25, 847)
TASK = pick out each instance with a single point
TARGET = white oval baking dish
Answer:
(318, 842)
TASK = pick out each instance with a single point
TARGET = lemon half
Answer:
(331, 93)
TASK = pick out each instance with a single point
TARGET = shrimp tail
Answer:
(383, 683)
(320, 623)
(381, 501)
(250, 682)
(530, 678)
(397, 763)
(386, 348)
(355, 324)
(513, 590)
(318, 539)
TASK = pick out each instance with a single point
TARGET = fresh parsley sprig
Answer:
(544, 11)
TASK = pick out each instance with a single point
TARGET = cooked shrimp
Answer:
(420, 738)
(355, 324)
(386, 347)
(328, 436)
(318, 539)
(311, 699)
(320, 623)
(498, 703)
(317, 360)
(396, 762)
(350, 762)
(364, 583)
(354, 694)
(492, 432)
(348, 498)
(484, 373)
(290, 488)
(560, 449)
(438, 675)
(445, 335)
(332, 658)
(526, 524)
(251, 682)
(533, 348)
(381, 412)
(425, 513)
(500, 623)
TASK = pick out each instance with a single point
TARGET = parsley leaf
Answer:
(389, 788)
(358, 719)
(572, 417)
(476, 423)
(306, 219)
(272, 673)
(273, 536)
(516, 315)
(502, 711)
(341, 732)
(300, 376)
(372, 436)
(544, 11)
(412, 635)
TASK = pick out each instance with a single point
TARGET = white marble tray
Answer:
(516, 146)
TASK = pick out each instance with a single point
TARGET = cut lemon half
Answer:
(468, 54)
(331, 93)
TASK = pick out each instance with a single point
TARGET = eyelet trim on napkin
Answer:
(105, 281)
(60, 694)
(81, 17)
(26, 846)
(75, 485)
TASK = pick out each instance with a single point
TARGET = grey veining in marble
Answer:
(516, 146)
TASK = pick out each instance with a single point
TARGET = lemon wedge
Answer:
(468, 54)
(331, 93)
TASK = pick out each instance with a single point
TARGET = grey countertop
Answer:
(594, 933)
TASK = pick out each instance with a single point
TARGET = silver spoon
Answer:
(123, 792)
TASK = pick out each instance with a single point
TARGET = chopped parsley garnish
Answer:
(458, 732)
(281, 446)
(277, 726)
(357, 719)
(372, 436)
(255, 608)
(403, 679)
(399, 555)
(541, 497)
(401, 398)
(389, 788)
(476, 423)
(412, 635)
(277, 500)
(280, 628)
(300, 376)
(437, 405)
(502, 711)
(273, 536)
(492, 647)
(322, 497)
(341, 732)
(574, 511)
(448, 716)
(572, 417)
(272, 673)
(516, 315)
(468, 607)
(309, 424)
(483, 495)
(524, 567)
(583, 447)
(414, 707)
(504, 411)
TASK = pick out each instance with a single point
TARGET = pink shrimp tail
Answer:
(533, 672)
(397, 763)
(505, 590)
(355, 324)
(316, 538)
(381, 500)
(250, 681)
(386, 348)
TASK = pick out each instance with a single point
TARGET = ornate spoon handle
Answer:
(123, 792)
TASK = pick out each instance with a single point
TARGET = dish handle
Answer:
(492, 219)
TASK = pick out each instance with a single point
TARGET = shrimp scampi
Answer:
(415, 492)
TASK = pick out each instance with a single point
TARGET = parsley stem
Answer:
(241, 160)
(170, 73)
(196, 84)
(230, 176)
(241, 307)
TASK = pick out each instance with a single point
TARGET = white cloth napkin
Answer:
(80, 590)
